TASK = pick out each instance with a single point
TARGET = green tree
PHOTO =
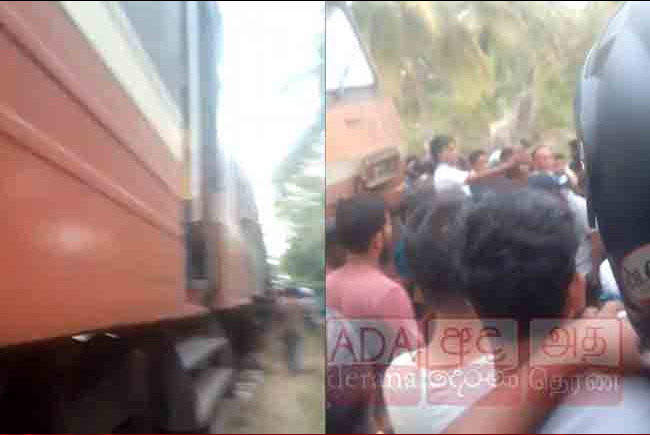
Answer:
(464, 67)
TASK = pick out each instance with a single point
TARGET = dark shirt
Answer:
(496, 184)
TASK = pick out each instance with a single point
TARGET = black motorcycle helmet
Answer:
(612, 110)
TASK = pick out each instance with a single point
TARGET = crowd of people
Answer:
(501, 235)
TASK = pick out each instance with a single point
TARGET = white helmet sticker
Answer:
(635, 273)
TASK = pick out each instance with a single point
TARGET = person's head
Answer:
(410, 162)
(430, 235)
(518, 173)
(292, 292)
(425, 165)
(506, 154)
(517, 258)
(478, 160)
(363, 226)
(413, 168)
(334, 252)
(443, 149)
(462, 163)
(411, 159)
(543, 159)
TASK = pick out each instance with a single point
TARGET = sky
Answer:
(266, 44)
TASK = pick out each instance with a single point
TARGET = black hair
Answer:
(430, 240)
(475, 155)
(436, 146)
(506, 154)
(517, 255)
(413, 168)
(291, 292)
(426, 166)
(358, 220)
(462, 163)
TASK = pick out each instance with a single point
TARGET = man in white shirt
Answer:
(545, 162)
(448, 177)
(444, 154)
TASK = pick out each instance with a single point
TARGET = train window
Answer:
(143, 45)
(161, 31)
(346, 63)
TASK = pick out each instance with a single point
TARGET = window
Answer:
(345, 62)
(143, 45)
(161, 31)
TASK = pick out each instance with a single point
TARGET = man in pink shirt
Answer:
(380, 318)
(360, 290)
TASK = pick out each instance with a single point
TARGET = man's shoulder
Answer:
(334, 277)
(392, 287)
(393, 302)
(368, 288)
(446, 169)
(433, 411)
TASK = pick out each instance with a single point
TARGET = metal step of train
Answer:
(202, 357)
(197, 352)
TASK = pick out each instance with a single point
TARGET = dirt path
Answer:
(284, 403)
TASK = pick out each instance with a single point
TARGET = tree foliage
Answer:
(468, 67)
